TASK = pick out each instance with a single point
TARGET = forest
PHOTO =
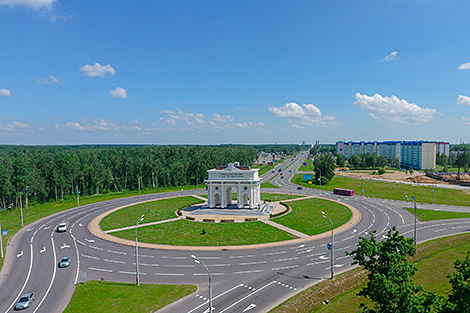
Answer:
(51, 173)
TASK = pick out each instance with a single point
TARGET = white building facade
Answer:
(225, 180)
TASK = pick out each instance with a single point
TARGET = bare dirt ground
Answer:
(390, 175)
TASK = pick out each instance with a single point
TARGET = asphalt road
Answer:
(243, 280)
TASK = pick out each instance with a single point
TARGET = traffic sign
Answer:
(5, 232)
(329, 246)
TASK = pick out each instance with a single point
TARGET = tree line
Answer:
(50, 173)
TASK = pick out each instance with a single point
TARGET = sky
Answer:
(240, 72)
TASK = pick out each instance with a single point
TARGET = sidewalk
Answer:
(286, 229)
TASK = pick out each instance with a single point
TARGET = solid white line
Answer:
(100, 269)
(53, 274)
(247, 272)
(242, 299)
(78, 260)
(284, 268)
(133, 273)
(82, 243)
(253, 263)
(27, 278)
(218, 296)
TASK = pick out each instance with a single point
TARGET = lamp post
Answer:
(209, 274)
(319, 178)
(137, 251)
(1, 239)
(332, 244)
(25, 189)
(415, 213)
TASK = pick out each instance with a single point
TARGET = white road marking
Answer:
(43, 250)
(288, 259)
(53, 274)
(117, 252)
(253, 263)
(90, 257)
(133, 273)
(223, 293)
(218, 265)
(246, 297)
(248, 272)
(169, 274)
(272, 253)
(100, 269)
(439, 230)
(144, 264)
(210, 258)
(82, 243)
(242, 256)
(46, 228)
(205, 274)
(284, 268)
(251, 306)
(180, 265)
(89, 240)
(173, 257)
(114, 261)
(21, 254)
(96, 248)
(64, 246)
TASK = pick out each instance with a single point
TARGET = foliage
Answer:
(340, 161)
(390, 286)
(458, 299)
(57, 172)
(324, 167)
(381, 171)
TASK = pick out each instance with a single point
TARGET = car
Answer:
(64, 262)
(62, 227)
(272, 171)
(25, 301)
(299, 188)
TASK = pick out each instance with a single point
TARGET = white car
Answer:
(62, 227)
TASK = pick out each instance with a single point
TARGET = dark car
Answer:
(65, 262)
(25, 301)
(299, 188)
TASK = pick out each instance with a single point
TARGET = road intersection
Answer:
(244, 280)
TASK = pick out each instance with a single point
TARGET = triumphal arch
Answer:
(233, 178)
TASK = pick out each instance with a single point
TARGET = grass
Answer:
(104, 297)
(269, 185)
(186, 233)
(274, 197)
(11, 220)
(309, 219)
(306, 168)
(432, 215)
(158, 210)
(394, 191)
(434, 260)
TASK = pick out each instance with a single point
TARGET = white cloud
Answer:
(196, 121)
(463, 100)
(91, 125)
(118, 93)
(35, 4)
(51, 79)
(464, 66)
(97, 70)
(305, 115)
(14, 126)
(391, 110)
(392, 56)
(5, 92)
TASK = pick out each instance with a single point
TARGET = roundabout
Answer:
(248, 226)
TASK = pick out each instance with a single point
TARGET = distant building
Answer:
(304, 142)
(416, 154)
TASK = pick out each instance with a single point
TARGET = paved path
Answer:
(286, 229)
(141, 225)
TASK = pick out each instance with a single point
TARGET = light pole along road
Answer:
(242, 280)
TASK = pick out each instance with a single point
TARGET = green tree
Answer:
(340, 161)
(458, 301)
(381, 161)
(355, 160)
(462, 159)
(390, 286)
(324, 164)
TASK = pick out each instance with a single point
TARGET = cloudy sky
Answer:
(210, 72)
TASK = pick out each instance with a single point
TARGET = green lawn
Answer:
(395, 191)
(268, 185)
(187, 233)
(158, 210)
(274, 197)
(432, 215)
(306, 168)
(434, 260)
(104, 297)
(306, 215)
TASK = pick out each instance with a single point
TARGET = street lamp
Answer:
(21, 203)
(208, 273)
(319, 178)
(415, 214)
(332, 244)
(137, 251)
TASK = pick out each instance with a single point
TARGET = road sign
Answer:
(5, 232)
(329, 246)
(308, 177)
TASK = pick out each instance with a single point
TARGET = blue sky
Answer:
(210, 72)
